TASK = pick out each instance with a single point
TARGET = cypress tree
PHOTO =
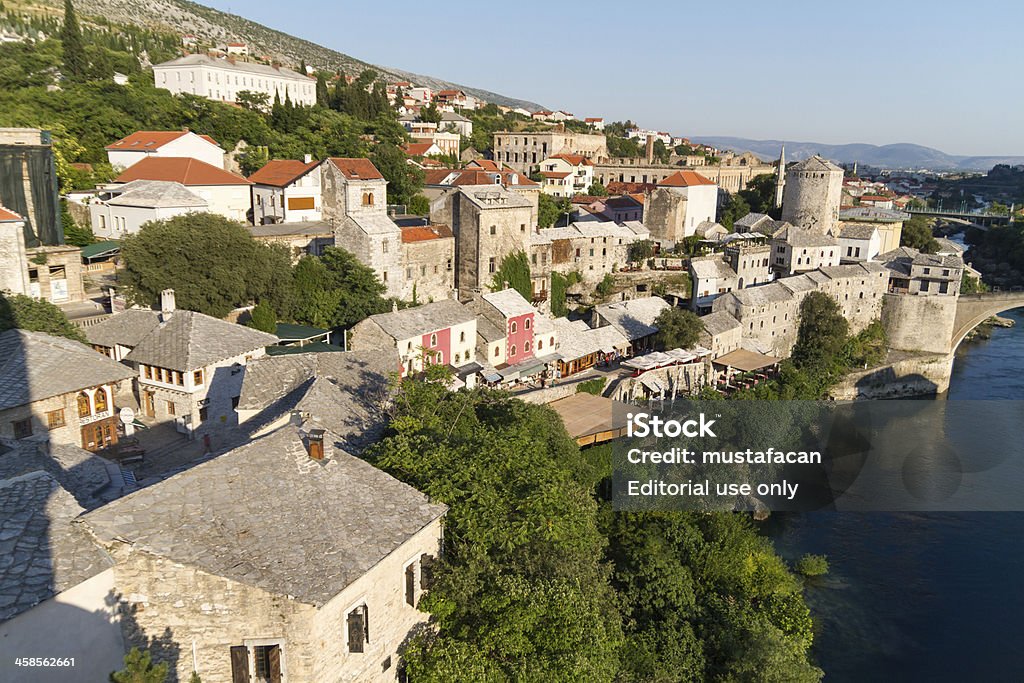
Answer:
(322, 97)
(75, 61)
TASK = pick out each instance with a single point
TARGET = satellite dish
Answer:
(126, 415)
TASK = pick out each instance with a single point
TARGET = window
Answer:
(101, 400)
(449, 266)
(496, 351)
(84, 406)
(267, 663)
(433, 339)
(410, 584)
(358, 623)
(540, 344)
(170, 407)
(526, 347)
(522, 227)
(204, 412)
(22, 428)
(367, 199)
(513, 327)
(384, 246)
(458, 358)
(197, 377)
(462, 336)
(490, 265)
(512, 351)
(494, 229)
(55, 418)
(526, 323)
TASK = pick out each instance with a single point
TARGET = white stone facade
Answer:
(223, 79)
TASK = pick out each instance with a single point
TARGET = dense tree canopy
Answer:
(336, 290)
(917, 233)
(551, 210)
(213, 265)
(514, 272)
(18, 311)
(677, 329)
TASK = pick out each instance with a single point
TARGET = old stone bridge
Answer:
(974, 309)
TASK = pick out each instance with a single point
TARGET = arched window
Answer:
(540, 344)
(526, 347)
(458, 358)
(433, 340)
(462, 336)
(513, 327)
(496, 351)
(84, 405)
(101, 400)
(367, 199)
(527, 323)
(512, 351)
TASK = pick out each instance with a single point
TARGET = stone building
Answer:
(741, 265)
(428, 253)
(592, 249)
(354, 195)
(797, 250)
(566, 175)
(769, 315)
(57, 390)
(812, 195)
(722, 333)
(119, 211)
(482, 172)
(29, 186)
(286, 191)
(13, 259)
(55, 274)
(914, 272)
(302, 238)
(189, 365)
(680, 203)
(490, 223)
(731, 178)
(525, 151)
(888, 223)
(634, 319)
(858, 242)
(287, 559)
(222, 79)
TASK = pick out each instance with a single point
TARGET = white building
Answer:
(286, 191)
(146, 144)
(225, 193)
(858, 242)
(13, 259)
(122, 210)
(566, 175)
(223, 79)
(798, 250)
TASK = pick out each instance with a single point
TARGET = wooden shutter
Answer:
(274, 657)
(356, 630)
(366, 623)
(410, 584)
(426, 571)
(239, 664)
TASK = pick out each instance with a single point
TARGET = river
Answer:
(922, 597)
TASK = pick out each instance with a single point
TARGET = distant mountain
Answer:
(900, 155)
(210, 25)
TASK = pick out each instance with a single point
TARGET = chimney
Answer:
(167, 306)
(650, 149)
(308, 158)
(315, 444)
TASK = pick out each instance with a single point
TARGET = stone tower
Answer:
(812, 193)
(780, 178)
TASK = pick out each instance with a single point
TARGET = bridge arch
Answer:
(974, 309)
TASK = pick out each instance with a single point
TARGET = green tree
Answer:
(76, 64)
(213, 264)
(812, 565)
(760, 193)
(73, 234)
(336, 290)
(514, 272)
(736, 208)
(971, 285)
(404, 180)
(917, 233)
(263, 318)
(18, 311)
(430, 114)
(418, 205)
(640, 251)
(322, 94)
(254, 101)
(559, 284)
(139, 668)
(606, 286)
(550, 210)
(596, 189)
(678, 329)
(997, 209)
(822, 333)
(662, 154)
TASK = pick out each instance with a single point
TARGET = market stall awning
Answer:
(746, 361)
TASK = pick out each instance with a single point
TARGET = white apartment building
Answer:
(223, 79)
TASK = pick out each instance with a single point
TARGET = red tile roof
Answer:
(182, 170)
(152, 139)
(422, 233)
(554, 174)
(574, 159)
(417, 149)
(875, 198)
(685, 179)
(357, 169)
(282, 172)
(6, 215)
(590, 119)
(485, 164)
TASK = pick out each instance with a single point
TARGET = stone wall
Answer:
(919, 323)
(665, 214)
(811, 199)
(429, 269)
(913, 375)
(729, 178)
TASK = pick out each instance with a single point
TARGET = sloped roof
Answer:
(127, 328)
(719, 322)
(424, 233)
(573, 159)
(154, 194)
(853, 231)
(413, 322)
(417, 149)
(250, 67)
(751, 220)
(373, 224)
(34, 366)
(802, 237)
(190, 340)
(356, 169)
(815, 163)
(685, 179)
(576, 339)
(711, 267)
(282, 172)
(509, 302)
(494, 197)
(295, 527)
(6, 215)
(148, 140)
(184, 170)
(634, 318)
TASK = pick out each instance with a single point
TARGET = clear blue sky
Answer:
(814, 70)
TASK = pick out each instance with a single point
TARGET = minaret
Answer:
(780, 178)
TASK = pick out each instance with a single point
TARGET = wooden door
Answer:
(148, 404)
(239, 664)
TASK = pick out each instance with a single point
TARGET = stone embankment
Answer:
(903, 374)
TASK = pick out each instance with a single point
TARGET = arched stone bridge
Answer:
(974, 309)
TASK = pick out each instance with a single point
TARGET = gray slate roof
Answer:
(34, 366)
(374, 225)
(156, 194)
(284, 229)
(872, 214)
(814, 163)
(576, 339)
(710, 267)
(801, 237)
(127, 328)
(493, 197)
(41, 552)
(854, 231)
(719, 322)
(190, 340)
(266, 515)
(90, 479)
(345, 393)
(634, 318)
(509, 302)
(412, 322)
(488, 331)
